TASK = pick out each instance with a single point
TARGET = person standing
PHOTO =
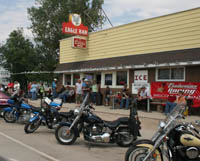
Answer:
(108, 94)
(170, 104)
(125, 98)
(54, 88)
(86, 89)
(16, 86)
(94, 92)
(79, 92)
(34, 90)
(41, 90)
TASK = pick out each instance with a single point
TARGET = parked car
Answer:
(3, 101)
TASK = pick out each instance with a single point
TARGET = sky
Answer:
(13, 13)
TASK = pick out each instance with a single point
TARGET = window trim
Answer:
(170, 80)
(114, 79)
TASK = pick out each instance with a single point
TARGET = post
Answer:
(148, 105)
(113, 102)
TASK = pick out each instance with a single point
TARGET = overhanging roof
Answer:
(167, 58)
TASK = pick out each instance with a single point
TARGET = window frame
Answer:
(114, 79)
(170, 80)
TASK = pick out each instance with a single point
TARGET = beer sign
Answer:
(78, 42)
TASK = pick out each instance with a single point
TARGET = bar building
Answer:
(166, 47)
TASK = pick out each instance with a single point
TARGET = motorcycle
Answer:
(18, 110)
(48, 115)
(122, 131)
(174, 141)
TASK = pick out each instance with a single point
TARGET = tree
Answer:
(47, 18)
(18, 55)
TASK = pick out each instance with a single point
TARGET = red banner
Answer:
(161, 90)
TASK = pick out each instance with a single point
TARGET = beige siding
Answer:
(171, 32)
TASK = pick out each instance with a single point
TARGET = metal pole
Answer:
(148, 105)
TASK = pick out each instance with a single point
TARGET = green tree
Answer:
(18, 55)
(47, 18)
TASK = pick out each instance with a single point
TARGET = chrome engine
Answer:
(98, 134)
(105, 138)
(192, 153)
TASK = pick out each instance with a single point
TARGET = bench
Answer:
(160, 104)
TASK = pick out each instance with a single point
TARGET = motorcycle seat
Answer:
(115, 123)
(35, 109)
(66, 114)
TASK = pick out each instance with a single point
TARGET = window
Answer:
(170, 74)
(108, 79)
(121, 78)
(67, 79)
(76, 77)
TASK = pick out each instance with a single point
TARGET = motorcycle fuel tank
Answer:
(189, 140)
(93, 119)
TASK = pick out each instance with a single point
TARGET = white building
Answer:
(4, 76)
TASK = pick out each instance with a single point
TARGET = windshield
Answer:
(178, 110)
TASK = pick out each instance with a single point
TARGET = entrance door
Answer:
(98, 78)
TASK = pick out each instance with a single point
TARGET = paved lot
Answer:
(42, 145)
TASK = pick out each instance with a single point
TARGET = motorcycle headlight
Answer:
(43, 110)
(76, 111)
(32, 115)
(162, 124)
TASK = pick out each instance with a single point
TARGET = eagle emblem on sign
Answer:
(75, 19)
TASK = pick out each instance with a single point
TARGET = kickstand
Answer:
(89, 146)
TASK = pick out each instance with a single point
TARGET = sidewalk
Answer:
(108, 110)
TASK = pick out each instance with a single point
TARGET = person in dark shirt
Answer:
(108, 94)
(125, 97)
(170, 104)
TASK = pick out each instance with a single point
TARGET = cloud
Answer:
(14, 15)
(143, 9)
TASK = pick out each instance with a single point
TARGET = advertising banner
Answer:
(79, 43)
(161, 90)
(137, 86)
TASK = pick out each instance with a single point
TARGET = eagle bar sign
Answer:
(74, 26)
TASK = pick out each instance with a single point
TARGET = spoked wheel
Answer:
(31, 127)
(138, 153)
(125, 138)
(9, 116)
(64, 135)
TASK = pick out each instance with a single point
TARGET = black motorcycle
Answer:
(48, 115)
(122, 131)
(174, 141)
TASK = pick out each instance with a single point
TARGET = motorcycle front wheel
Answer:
(64, 135)
(31, 127)
(125, 138)
(9, 116)
(138, 153)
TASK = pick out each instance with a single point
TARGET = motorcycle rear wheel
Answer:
(125, 139)
(63, 137)
(31, 127)
(138, 153)
(9, 116)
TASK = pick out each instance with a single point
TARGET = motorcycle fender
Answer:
(158, 156)
(68, 124)
(8, 109)
(34, 119)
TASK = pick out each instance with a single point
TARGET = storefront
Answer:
(161, 49)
